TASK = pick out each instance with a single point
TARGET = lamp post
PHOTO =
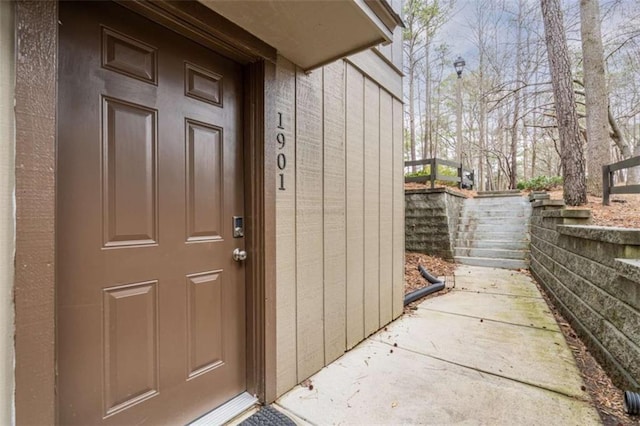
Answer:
(459, 64)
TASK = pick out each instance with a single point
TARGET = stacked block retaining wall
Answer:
(431, 221)
(592, 274)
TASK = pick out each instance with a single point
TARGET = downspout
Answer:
(435, 286)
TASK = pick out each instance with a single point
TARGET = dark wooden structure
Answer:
(608, 187)
(433, 175)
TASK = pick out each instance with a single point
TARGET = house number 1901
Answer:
(281, 160)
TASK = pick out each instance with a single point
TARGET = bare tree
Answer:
(411, 38)
(513, 170)
(596, 95)
(571, 143)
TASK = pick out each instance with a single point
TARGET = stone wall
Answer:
(431, 221)
(592, 274)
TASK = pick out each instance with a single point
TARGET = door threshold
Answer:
(227, 411)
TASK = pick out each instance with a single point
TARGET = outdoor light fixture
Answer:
(459, 64)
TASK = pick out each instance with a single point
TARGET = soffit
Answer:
(311, 33)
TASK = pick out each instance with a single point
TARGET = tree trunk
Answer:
(513, 175)
(571, 145)
(412, 116)
(426, 143)
(596, 95)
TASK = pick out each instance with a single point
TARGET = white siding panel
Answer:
(398, 209)
(309, 224)
(335, 262)
(340, 219)
(286, 320)
(355, 205)
(386, 208)
(371, 207)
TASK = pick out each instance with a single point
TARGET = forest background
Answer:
(550, 88)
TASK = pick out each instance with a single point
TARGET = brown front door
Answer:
(150, 303)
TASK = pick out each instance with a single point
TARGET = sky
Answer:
(457, 32)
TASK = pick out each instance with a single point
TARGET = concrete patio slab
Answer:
(442, 365)
(525, 354)
(494, 281)
(371, 385)
(515, 310)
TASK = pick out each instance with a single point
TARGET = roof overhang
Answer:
(312, 33)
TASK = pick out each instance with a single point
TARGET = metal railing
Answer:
(608, 184)
(465, 176)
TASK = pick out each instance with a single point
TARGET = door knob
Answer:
(239, 255)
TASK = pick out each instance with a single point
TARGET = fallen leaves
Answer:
(606, 396)
(624, 211)
(434, 265)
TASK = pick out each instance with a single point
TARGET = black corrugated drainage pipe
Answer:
(436, 285)
(631, 402)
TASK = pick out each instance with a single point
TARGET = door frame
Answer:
(36, 102)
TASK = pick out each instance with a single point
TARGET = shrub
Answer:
(442, 171)
(540, 183)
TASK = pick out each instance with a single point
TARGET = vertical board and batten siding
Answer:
(386, 208)
(286, 316)
(339, 222)
(309, 222)
(335, 262)
(371, 207)
(355, 205)
(398, 208)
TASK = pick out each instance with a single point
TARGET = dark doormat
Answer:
(268, 416)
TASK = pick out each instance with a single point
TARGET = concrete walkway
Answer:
(489, 352)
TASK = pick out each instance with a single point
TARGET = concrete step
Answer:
(497, 206)
(491, 235)
(495, 213)
(499, 194)
(503, 208)
(492, 263)
(480, 220)
(521, 226)
(492, 253)
(493, 244)
(500, 203)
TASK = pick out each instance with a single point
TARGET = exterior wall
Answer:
(585, 270)
(7, 210)
(339, 213)
(431, 224)
(392, 52)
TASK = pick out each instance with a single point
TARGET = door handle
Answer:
(239, 255)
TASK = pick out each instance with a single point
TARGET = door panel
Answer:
(150, 304)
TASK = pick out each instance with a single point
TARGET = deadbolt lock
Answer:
(238, 227)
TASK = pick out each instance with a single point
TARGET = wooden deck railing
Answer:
(608, 184)
(433, 175)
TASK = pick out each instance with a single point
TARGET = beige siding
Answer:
(335, 295)
(7, 217)
(376, 68)
(386, 207)
(398, 209)
(339, 220)
(309, 223)
(392, 52)
(286, 321)
(355, 206)
(371, 207)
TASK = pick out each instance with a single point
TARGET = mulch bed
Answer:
(414, 281)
